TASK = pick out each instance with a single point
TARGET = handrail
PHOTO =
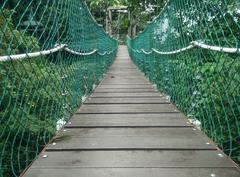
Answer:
(80, 53)
(192, 45)
(61, 47)
(32, 55)
(216, 48)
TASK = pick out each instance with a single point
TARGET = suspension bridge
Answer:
(74, 103)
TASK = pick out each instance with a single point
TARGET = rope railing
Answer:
(192, 45)
(62, 47)
(191, 53)
(80, 53)
(53, 54)
(216, 48)
(31, 55)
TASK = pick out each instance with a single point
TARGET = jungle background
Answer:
(40, 120)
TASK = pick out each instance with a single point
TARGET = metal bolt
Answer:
(45, 156)
(220, 155)
(54, 144)
(213, 175)
(208, 143)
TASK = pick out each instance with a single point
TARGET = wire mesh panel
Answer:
(191, 52)
(52, 55)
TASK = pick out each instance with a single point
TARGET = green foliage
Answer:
(140, 13)
(14, 41)
(24, 87)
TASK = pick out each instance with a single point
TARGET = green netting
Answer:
(38, 95)
(203, 78)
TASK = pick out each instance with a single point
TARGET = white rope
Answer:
(176, 51)
(79, 53)
(47, 52)
(216, 48)
(135, 50)
(192, 45)
(104, 53)
(146, 52)
(32, 55)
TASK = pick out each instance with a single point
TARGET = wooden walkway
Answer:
(128, 129)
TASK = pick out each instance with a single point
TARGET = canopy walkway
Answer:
(127, 128)
(167, 104)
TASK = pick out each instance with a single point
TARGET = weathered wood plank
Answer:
(131, 138)
(134, 159)
(122, 73)
(128, 90)
(134, 172)
(116, 76)
(123, 70)
(132, 86)
(126, 100)
(128, 95)
(127, 108)
(126, 64)
(128, 120)
(125, 81)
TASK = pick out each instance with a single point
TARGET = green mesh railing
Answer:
(52, 55)
(191, 51)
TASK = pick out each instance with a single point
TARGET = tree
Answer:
(140, 11)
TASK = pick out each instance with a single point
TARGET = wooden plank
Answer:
(127, 70)
(117, 76)
(131, 139)
(127, 108)
(123, 60)
(128, 90)
(125, 81)
(133, 172)
(122, 73)
(129, 95)
(126, 120)
(134, 159)
(122, 68)
(126, 100)
(126, 86)
(124, 64)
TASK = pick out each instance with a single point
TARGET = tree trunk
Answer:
(110, 22)
(134, 31)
